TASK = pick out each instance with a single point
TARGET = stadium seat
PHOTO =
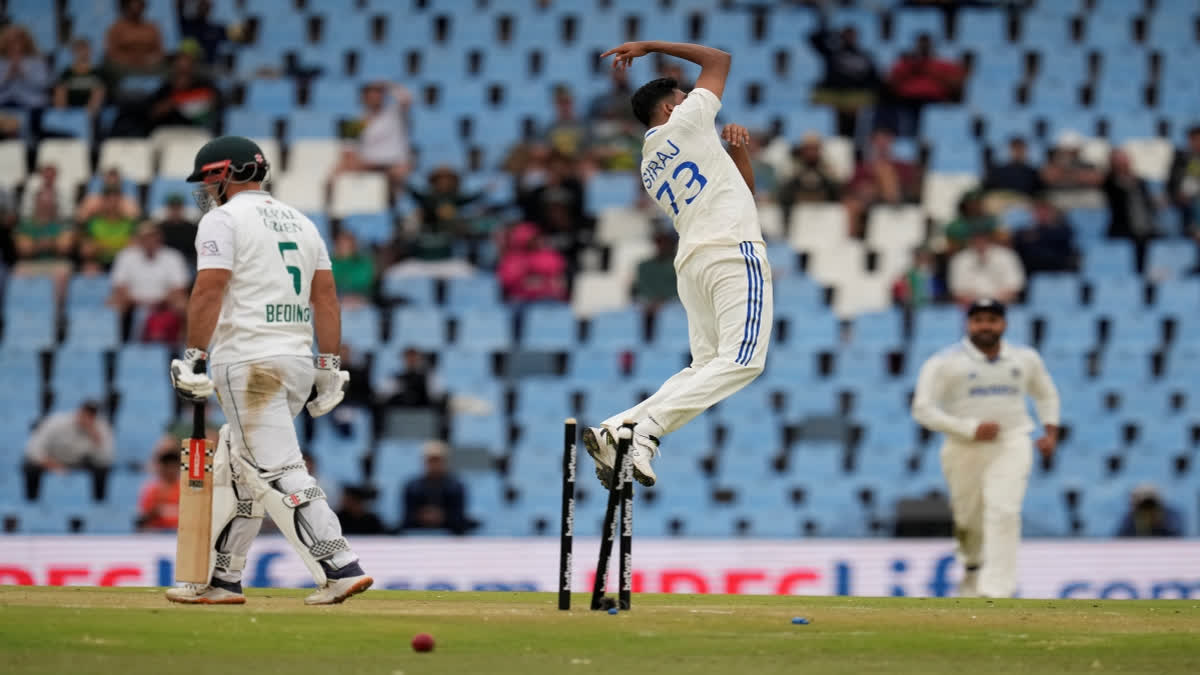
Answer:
(92, 327)
(407, 289)
(548, 327)
(70, 156)
(1125, 292)
(271, 97)
(1053, 293)
(1170, 258)
(72, 122)
(370, 229)
(484, 330)
(615, 330)
(470, 292)
(12, 164)
(358, 193)
(78, 374)
(596, 292)
(250, 123)
(1108, 259)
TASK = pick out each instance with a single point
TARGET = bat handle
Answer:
(198, 409)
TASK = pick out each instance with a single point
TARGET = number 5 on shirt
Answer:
(284, 247)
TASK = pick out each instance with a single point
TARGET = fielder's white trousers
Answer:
(260, 400)
(726, 292)
(987, 485)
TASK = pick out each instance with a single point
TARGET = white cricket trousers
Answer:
(987, 485)
(260, 400)
(726, 292)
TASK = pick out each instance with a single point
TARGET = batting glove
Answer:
(191, 386)
(330, 381)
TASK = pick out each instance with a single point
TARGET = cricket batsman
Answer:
(264, 281)
(974, 392)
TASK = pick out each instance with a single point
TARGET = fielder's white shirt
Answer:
(687, 172)
(273, 251)
(959, 388)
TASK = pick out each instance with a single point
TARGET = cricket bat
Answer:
(193, 543)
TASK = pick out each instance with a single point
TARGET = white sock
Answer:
(648, 427)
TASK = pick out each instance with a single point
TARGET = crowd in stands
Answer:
(529, 225)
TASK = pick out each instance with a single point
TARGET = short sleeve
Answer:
(323, 261)
(215, 241)
(121, 269)
(179, 271)
(699, 109)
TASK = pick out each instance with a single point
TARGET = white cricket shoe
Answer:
(602, 446)
(335, 591)
(204, 594)
(643, 450)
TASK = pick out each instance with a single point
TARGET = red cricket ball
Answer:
(422, 642)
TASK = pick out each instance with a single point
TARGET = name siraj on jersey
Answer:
(656, 165)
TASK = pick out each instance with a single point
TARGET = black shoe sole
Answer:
(605, 474)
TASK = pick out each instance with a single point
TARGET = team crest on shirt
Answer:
(209, 248)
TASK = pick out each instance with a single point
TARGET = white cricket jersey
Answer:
(959, 388)
(273, 251)
(686, 170)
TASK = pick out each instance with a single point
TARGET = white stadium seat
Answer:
(817, 226)
(300, 190)
(770, 219)
(317, 156)
(625, 256)
(941, 193)
(133, 157)
(595, 293)
(838, 153)
(66, 196)
(1151, 157)
(862, 294)
(1095, 151)
(178, 157)
(896, 227)
(358, 193)
(70, 155)
(161, 137)
(12, 164)
(619, 224)
(831, 266)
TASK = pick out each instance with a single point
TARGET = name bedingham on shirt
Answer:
(686, 170)
(273, 251)
(959, 388)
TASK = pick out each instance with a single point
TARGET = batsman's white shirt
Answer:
(273, 251)
(687, 172)
(959, 387)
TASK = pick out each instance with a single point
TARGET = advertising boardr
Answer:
(1049, 568)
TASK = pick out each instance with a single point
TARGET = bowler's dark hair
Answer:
(651, 94)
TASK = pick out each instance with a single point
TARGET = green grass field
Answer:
(91, 630)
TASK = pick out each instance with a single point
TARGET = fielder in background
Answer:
(974, 392)
(721, 263)
(264, 282)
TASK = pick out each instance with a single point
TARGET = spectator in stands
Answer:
(70, 440)
(1014, 181)
(921, 284)
(108, 231)
(359, 397)
(355, 515)
(45, 243)
(158, 505)
(1130, 206)
(985, 270)
(149, 276)
(195, 24)
(24, 77)
(851, 81)
(436, 500)
(178, 230)
(1150, 516)
(1049, 244)
(378, 139)
(654, 283)
(93, 202)
(918, 78)
(614, 103)
(443, 215)
(81, 84)
(1183, 182)
(529, 270)
(353, 270)
(971, 219)
(1069, 179)
(551, 194)
(567, 134)
(879, 179)
(187, 98)
(812, 180)
(615, 139)
(414, 385)
(133, 44)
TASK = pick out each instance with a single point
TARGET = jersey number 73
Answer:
(694, 177)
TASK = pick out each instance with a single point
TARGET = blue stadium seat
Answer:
(419, 327)
(798, 297)
(28, 328)
(982, 29)
(250, 123)
(613, 189)
(615, 330)
(334, 96)
(1108, 259)
(74, 122)
(862, 365)
(908, 23)
(271, 97)
(1174, 257)
(71, 490)
(138, 364)
(93, 328)
(1119, 294)
(547, 397)
(471, 292)
(670, 327)
(588, 365)
(484, 329)
(549, 327)
(410, 290)
(658, 364)
(877, 329)
(1134, 329)
(469, 367)
(360, 327)
(77, 375)
(1127, 363)
(88, 291)
(488, 431)
(1066, 362)
(1053, 293)
(603, 399)
(371, 228)
(28, 293)
(162, 188)
(309, 124)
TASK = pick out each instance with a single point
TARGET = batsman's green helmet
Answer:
(241, 156)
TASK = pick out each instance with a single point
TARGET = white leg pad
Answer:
(299, 510)
(230, 539)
